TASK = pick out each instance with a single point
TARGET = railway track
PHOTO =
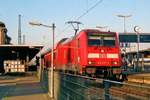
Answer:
(127, 92)
(130, 91)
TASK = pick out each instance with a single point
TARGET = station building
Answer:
(15, 58)
(4, 38)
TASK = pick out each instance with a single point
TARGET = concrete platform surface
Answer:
(42, 96)
(24, 88)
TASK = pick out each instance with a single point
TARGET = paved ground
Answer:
(21, 88)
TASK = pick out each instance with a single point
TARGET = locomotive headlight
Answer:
(102, 50)
(90, 62)
(115, 62)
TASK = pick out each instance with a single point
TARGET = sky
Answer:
(60, 11)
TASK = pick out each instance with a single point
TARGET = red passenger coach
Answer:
(47, 59)
(91, 52)
(61, 55)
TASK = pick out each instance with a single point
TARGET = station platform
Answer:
(23, 88)
(29, 97)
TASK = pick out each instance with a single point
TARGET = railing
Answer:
(75, 87)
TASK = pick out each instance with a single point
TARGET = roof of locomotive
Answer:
(66, 40)
(90, 30)
(62, 40)
(95, 31)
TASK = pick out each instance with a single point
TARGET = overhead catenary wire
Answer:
(83, 14)
(88, 10)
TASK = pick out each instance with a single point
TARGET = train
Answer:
(91, 52)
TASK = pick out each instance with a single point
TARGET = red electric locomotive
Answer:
(91, 52)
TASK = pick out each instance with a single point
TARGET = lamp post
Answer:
(124, 25)
(124, 18)
(137, 29)
(52, 57)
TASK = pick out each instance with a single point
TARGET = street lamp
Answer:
(124, 26)
(124, 18)
(137, 29)
(52, 57)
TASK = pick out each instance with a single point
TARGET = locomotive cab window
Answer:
(109, 41)
(99, 39)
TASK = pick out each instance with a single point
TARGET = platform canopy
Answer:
(13, 52)
(132, 37)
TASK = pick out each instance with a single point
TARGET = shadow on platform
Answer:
(26, 88)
